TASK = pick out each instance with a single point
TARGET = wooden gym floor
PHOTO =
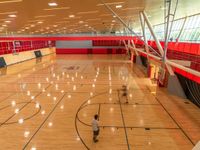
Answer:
(48, 104)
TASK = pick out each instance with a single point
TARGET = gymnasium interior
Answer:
(134, 63)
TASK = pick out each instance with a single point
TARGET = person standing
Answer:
(95, 128)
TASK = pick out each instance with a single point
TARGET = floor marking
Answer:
(1, 124)
(175, 121)
(25, 118)
(43, 122)
(124, 125)
(76, 118)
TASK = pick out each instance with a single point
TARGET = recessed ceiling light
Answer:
(8, 21)
(118, 6)
(12, 16)
(53, 4)
(71, 16)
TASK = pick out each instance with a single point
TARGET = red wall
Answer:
(179, 51)
(8, 47)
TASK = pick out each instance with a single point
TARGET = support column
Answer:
(152, 33)
(138, 60)
(174, 87)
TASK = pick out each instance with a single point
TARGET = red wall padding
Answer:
(188, 75)
(107, 43)
(8, 47)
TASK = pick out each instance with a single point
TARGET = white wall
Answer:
(27, 55)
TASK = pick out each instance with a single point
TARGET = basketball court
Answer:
(49, 103)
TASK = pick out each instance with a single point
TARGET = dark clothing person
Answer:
(125, 92)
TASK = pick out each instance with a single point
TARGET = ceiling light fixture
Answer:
(71, 16)
(118, 6)
(12, 16)
(52, 4)
(8, 21)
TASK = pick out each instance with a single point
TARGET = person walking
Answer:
(125, 93)
(95, 128)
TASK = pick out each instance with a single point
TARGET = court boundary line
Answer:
(28, 102)
(41, 125)
(76, 116)
(123, 121)
(117, 127)
(175, 122)
(26, 118)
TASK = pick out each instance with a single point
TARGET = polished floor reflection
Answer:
(49, 105)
